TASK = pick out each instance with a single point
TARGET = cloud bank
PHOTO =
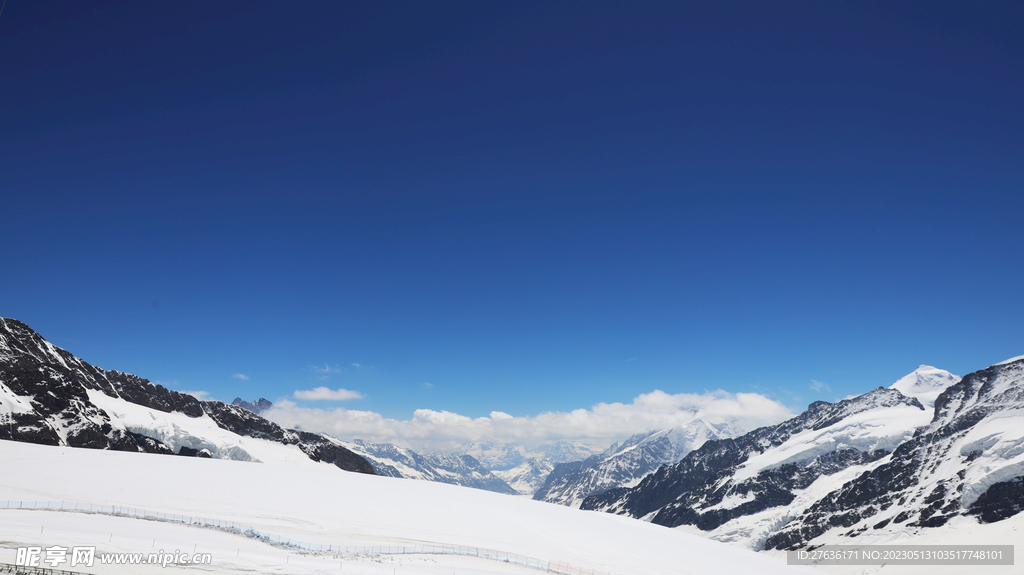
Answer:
(325, 394)
(200, 395)
(601, 424)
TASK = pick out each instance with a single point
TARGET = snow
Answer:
(526, 477)
(879, 428)
(11, 403)
(925, 383)
(177, 429)
(1000, 439)
(731, 501)
(751, 531)
(1008, 361)
(321, 504)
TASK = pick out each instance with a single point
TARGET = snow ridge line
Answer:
(559, 568)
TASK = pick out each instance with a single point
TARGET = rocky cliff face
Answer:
(49, 396)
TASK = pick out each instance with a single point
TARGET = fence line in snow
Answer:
(22, 570)
(559, 567)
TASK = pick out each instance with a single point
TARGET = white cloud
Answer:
(818, 386)
(326, 369)
(241, 376)
(356, 365)
(602, 423)
(200, 395)
(427, 385)
(325, 394)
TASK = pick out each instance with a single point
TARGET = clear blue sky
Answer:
(529, 206)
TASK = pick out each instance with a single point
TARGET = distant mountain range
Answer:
(394, 461)
(504, 456)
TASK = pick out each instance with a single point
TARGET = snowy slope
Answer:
(925, 384)
(320, 505)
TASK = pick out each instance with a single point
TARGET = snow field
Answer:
(231, 553)
(321, 504)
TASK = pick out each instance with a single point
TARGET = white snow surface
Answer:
(177, 429)
(320, 504)
(878, 428)
(11, 403)
(925, 383)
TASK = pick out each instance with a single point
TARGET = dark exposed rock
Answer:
(1000, 501)
(51, 388)
(187, 451)
(150, 445)
(321, 449)
(242, 421)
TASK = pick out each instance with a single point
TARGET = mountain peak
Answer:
(925, 384)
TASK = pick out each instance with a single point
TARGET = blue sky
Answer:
(477, 207)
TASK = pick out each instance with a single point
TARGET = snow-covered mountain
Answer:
(528, 476)
(51, 397)
(623, 465)
(394, 461)
(507, 455)
(968, 461)
(878, 461)
(925, 384)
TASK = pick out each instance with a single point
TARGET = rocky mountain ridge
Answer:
(49, 396)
